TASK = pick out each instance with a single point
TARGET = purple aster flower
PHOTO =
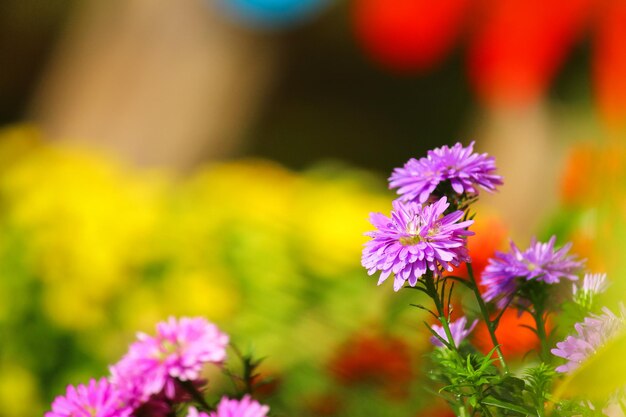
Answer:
(539, 262)
(246, 407)
(178, 352)
(97, 399)
(464, 169)
(592, 334)
(457, 329)
(416, 238)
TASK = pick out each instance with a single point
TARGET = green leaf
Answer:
(437, 336)
(508, 406)
(487, 360)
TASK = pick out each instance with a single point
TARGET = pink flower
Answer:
(179, 351)
(98, 399)
(246, 407)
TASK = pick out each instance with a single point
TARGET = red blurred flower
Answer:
(609, 61)
(408, 35)
(515, 47)
(519, 45)
(381, 360)
(324, 405)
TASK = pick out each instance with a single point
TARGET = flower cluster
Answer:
(155, 364)
(426, 236)
(420, 237)
(157, 373)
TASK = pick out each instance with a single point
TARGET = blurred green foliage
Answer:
(91, 251)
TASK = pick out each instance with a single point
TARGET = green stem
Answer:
(541, 332)
(431, 289)
(446, 329)
(485, 314)
(536, 292)
(195, 394)
(540, 410)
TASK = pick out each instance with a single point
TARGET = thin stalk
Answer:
(540, 410)
(195, 394)
(429, 282)
(537, 294)
(488, 322)
(486, 411)
(446, 328)
(541, 332)
(463, 412)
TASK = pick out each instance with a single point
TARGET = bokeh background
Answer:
(220, 158)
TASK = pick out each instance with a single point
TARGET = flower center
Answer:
(91, 411)
(166, 349)
(410, 240)
(413, 231)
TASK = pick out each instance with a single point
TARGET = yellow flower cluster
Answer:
(91, 251)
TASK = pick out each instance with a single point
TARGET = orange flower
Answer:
(490, 236)
(515, 339)
(577, 178)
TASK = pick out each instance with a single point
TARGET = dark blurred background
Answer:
(320, 94)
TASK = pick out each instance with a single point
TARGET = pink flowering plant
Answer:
(422, 242)
(162, 375)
